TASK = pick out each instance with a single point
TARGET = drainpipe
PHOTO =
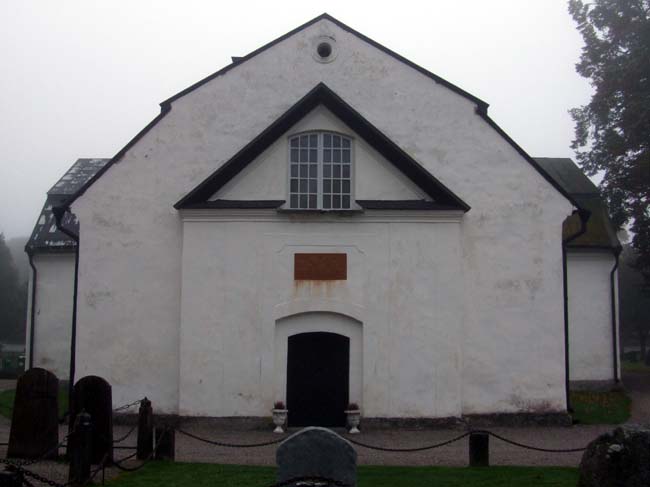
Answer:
(32, 318)
(59, 211)
(584, 216)
(612, 283)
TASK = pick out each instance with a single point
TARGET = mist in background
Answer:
(81, 78)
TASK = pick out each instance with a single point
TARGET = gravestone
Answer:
(35, 419)
(317, 452)
(617, 459)
(93, 395)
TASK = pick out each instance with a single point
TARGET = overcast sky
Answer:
(81, 78)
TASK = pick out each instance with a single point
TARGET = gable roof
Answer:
(166, 106)
(600, 232)
(322, 95)
(46, 237)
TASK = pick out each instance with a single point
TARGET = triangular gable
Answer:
(481, 106)
(322, 95)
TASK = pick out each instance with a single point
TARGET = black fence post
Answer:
(479, 449)
(145, 430)
(165, 443)
(81, 442)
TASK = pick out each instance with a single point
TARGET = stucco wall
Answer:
(238, 287)
(131, 246)
(590, 322)
(53, 314)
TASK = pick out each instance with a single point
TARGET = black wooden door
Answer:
(318, 371)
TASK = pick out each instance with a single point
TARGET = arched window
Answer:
(320, 171)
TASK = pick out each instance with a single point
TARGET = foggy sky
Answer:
(81, 78)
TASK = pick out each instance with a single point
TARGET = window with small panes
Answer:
(320, 171)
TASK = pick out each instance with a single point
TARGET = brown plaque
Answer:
(320, 267)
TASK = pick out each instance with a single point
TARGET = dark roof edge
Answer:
(615, 249)
(404, 205)
(236, 204)
(530, 160)
(164, 110)
(481, 105)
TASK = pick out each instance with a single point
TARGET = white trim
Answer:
(317, 216)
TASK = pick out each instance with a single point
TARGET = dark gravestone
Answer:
(617, 459)
(317, 452)
(93, 395)
(35, 420)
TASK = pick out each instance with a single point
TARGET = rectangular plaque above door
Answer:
(320, 267)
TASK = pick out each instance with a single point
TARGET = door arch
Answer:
(314, 322)
(318, 372)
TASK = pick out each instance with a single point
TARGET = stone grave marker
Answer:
(93, 395)
(317, 452)
(617, 459)
(35, 419)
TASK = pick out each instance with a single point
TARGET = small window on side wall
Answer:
(320, 172)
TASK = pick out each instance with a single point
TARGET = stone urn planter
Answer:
(279, 416)
(353, 416)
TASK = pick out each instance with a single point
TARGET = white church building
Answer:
(323, 222)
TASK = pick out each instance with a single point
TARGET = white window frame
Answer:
(319, 171)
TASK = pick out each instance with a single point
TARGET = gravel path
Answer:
(455, 454)
(6, 384)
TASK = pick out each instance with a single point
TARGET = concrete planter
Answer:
(279, 419)
(353, 419)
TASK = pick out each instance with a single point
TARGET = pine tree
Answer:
(612, 132)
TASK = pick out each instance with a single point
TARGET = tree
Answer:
(634, 301)
(13, 298)
(612, 132)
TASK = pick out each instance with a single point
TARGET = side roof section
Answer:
(600, 233)
(481, 106)
(46, 237)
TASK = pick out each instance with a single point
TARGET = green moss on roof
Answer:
(600, 230)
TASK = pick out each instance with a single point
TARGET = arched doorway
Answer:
(318, 372)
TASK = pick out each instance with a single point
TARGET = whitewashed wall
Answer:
(511, 356)
(590, 316)
(53, 314)
(238, 284)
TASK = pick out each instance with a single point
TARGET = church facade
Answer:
(321, 222)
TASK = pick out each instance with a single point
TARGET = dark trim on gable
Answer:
(403, 205)
(530, 160)
(482, 106)
(322, 95)
(236, 204)
(164, 110)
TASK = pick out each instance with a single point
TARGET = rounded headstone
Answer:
(617, 459)
(35, 418)
(317, 452)
(94, 395)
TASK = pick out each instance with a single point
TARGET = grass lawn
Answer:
(634, 366)
(172, 474)
(7, 402)
(600, 407)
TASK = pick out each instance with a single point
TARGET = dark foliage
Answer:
(612, 132)
(634, 300)
(13, 299)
